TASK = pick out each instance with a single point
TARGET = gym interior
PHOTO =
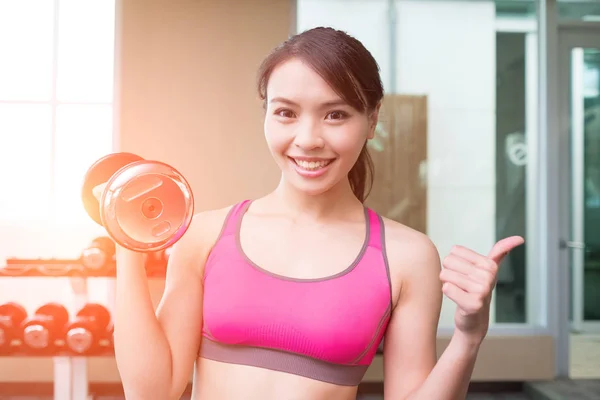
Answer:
(488, 129)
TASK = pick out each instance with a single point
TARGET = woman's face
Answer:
(313, 135)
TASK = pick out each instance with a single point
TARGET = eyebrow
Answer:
(327, 104)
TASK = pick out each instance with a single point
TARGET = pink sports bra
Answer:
(326, 329)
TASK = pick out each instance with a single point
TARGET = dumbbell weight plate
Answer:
(100, 172)
(11, 317)
(92, 318)
(99, 253)
(147, 206)
(96, 312)
(50, 320)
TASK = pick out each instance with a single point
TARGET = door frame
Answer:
(569, 38)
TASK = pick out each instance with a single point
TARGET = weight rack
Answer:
(70, 372)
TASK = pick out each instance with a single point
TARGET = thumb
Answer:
(503, 247)
(98, 190)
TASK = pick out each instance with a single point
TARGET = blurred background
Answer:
(490, 127)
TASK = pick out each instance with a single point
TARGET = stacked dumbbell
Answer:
(90, 332)
(99, 257)
(50, 331)
(12, 316)
(43, 333)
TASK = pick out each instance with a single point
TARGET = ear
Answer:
(373, 119)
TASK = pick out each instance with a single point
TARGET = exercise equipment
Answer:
(91, 325)
(42, 330)
(99, 254)
(145, 205)
(11, 317)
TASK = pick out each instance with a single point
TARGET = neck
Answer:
(339, 200)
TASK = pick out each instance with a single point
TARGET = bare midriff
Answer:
(214, 380)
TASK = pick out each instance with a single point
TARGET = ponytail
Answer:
(361, 175)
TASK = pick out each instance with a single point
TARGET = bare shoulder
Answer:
(206, 226)
(201, 235)
(412, 256)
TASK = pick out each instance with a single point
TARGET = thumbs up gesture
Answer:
(468, 280)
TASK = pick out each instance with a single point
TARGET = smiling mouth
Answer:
(312, 165)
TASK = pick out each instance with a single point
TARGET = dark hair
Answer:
(349, 68)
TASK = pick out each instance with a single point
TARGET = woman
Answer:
(288, 296)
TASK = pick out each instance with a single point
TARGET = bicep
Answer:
(410, 341)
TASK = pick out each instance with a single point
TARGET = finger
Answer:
(463, 282)
(462, 266)
(468, 303)
(475, 258)
(503, 247)
(98, 190)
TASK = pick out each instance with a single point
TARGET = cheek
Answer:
(349, 142)
(276, 138)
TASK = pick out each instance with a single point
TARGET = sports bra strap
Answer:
(233, 218)
(375, 230)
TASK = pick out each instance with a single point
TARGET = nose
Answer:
(308, 136)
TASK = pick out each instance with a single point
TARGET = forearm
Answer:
(449, 379)
(142, 351)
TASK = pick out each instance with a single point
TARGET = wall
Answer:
(186, 73)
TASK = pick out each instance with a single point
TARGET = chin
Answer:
(311, 190)
(310, 187)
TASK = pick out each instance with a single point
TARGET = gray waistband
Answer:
(346, 375)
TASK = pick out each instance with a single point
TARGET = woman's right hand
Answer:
(98, 190)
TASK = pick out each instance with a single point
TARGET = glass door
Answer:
(580, 104)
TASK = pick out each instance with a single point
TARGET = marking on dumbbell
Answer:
(135, 190)
(161, 229)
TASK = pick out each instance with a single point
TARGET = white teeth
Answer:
(312, 165)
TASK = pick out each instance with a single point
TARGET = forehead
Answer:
(295, 80)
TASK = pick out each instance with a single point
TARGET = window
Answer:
(56, 115)
(56, 119)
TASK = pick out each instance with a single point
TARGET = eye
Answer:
(337, 115)
(285, 113)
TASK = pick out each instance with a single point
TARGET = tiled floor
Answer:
(585, 356)
(584, 389)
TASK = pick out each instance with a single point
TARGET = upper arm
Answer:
(180, 309)
(410, 341)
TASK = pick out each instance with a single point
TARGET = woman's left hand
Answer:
(468, 279)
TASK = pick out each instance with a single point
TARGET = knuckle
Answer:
(477, 304)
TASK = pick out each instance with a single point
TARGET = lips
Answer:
(311, 167)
